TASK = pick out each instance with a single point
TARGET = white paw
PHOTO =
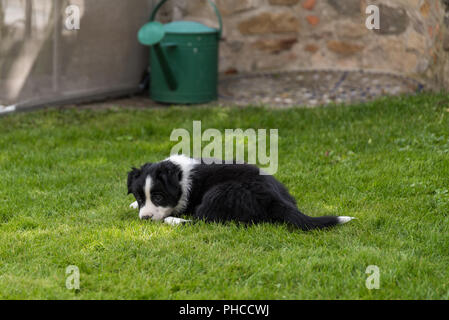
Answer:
(134, 205)
(343, 220)
(175, 221)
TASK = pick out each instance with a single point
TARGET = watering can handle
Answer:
(214, 6)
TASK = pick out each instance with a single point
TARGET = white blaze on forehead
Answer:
(147, 188)
(150, 209)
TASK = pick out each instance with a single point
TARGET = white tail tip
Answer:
(343, 220)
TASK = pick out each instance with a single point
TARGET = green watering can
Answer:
(184, 59)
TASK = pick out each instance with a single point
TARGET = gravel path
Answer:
(313, 88)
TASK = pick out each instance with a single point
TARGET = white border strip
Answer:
(8, 109)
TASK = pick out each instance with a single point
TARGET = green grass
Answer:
(63, 202)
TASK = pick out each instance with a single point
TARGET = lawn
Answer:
(63, 202)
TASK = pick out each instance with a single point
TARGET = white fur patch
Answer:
(343, 220)
(175, 221)
(134, 205)
(186, 164)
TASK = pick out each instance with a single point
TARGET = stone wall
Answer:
(262, 35)
(439, 70)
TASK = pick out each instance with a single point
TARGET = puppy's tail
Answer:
(300, 220)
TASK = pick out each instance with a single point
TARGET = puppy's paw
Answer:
(175, 221)
(134, 205)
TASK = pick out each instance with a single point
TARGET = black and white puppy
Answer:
(216, 192)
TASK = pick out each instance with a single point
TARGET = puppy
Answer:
(216, 193)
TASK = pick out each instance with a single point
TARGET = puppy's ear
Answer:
(171, 179)
(132, 176)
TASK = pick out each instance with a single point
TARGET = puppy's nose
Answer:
(146, 218)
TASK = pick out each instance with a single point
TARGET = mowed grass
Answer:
(63, 202)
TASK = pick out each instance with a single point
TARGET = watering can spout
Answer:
(151, 34)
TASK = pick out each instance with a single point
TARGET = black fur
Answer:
(239, 193)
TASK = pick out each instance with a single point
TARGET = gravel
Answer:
(313, 88)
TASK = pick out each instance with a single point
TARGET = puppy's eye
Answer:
(157, 198)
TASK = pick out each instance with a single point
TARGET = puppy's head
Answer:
(157, 189)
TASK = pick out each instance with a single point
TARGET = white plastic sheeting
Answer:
(43, 62)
